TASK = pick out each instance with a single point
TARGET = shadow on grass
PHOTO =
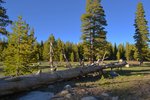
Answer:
(93, 78)
(136, 90)
(129, 94)
(133, 72)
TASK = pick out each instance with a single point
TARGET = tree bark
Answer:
(68, 65)
(30, 82)
(51, 54)
(104, 56)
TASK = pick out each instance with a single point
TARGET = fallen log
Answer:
(30, 82)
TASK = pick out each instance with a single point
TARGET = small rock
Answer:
(92, 64)
(67, 87)
(127, 65)
(115, 98)
(37, 95)
(68, 96)
(120, 61)
(105, 94)
(88, 98)
(64, 92)
(83, 90)
(113, 74)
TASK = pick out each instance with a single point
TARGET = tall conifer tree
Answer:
(127, 54)
(60, 46)
(4, 19)
(121, 52)
(72, 57)
(115, 50)
(93, 22)
(21, 49)
(141, 35)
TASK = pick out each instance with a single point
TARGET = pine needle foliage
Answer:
(21, 50)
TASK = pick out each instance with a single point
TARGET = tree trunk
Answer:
(68, 63)
(51, 55)
(103, 57)
(30, 82)
(141, 63)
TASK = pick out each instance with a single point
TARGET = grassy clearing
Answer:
(44, 66)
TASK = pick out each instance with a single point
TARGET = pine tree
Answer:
(72, 57)
(40, 51)
(118, 55)
(141, 35)
(76, 52)
(127, 51)
(68, 50)
(61, 58)
(60, 46)
(31, 47)
(3, 45)
(1, 51)
(80, 51)
(4, 19)
(132, 52)
(115, 50)
(93, 22)
(46, 51)
(110, 51)
(136, 55)
(21, 49)
(121, 52)
(148, 55)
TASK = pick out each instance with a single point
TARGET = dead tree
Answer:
(98, 61)
(81, 62)
(104, 57)
(30, 82)
(101, 61)
(52, 67)
(68, 63)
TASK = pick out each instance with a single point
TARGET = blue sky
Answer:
(62, 17)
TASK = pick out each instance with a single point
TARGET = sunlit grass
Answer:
(62, 66)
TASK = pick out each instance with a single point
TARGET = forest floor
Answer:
(133, 83)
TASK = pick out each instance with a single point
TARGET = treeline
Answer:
(75, 52)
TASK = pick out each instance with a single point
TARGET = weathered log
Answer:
(29, 82)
